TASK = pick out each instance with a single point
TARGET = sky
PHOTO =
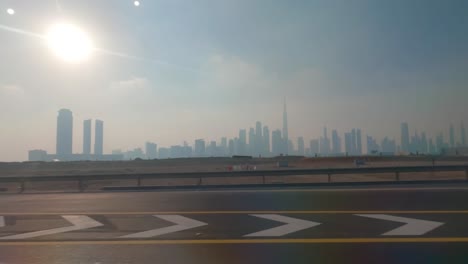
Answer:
(171, 71)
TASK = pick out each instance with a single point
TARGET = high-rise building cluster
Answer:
(64, 141)
(421, 143)
(257, 141)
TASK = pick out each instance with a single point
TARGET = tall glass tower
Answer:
(87, 137)
(405, 137)
(98, 138)
(64, 144)
(285, 130)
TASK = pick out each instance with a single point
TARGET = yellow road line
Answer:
(244, 212)
(241, 241)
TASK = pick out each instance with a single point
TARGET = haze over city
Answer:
(176, 71)
(257, 141)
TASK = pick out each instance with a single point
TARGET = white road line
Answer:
(291, 225)
(2, 221)
(413, 227)
(182, 223)
(79, 222)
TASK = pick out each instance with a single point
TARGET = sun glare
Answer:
(69, 42)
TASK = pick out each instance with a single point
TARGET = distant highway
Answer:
(385, 224)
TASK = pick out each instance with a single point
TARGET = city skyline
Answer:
(259, 143)
(48, 141)
(351, 142)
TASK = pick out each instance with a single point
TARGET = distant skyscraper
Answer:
(212, 149)
(164, 153)
(358, 142)
(87, 137)
(405, 143)
(423, 143)
(291, 150)
(325, 143)
(200, 148)
(452, 136)
(231, 147)
(224, 146)
(176, 151)
(64, 144)
(432, 147)
(252, 147)
(266, 141)
(353, 142)
(389, 146)
(98, 138)
(415, 143)
(258, 139)
(235, 148)
(348, 143)
(151, 150)
(277, 143)
(314, 147)
(372, 146)
(462, 135)
(300, 146)
(187, 150)
(134, 154)
(440, 144)
(285, 130)
(336, 142)
(242, 143)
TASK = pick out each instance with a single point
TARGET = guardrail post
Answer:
(466, 174)
(263, 179)
(397, 176)
(200, 181)
(329, 177)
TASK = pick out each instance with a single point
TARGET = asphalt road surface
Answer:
(405, 224)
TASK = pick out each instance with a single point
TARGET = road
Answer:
(405, 224)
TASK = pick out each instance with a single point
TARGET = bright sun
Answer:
(69, 42)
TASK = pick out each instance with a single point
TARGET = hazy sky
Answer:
(205, 68)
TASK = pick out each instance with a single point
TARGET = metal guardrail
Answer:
(82, 179)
